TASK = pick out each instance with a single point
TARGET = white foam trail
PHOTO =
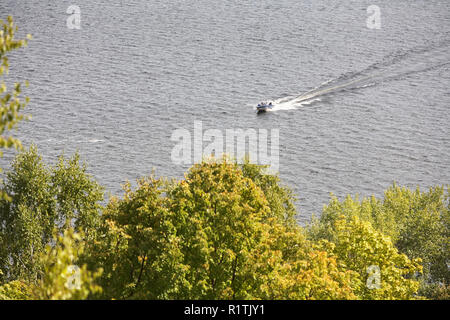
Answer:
(290, 103)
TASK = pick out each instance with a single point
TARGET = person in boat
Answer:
(265, 104)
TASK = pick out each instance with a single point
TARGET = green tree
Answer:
(418, 224)
(16, 290)
(61, 278)
(11, 103)
(358, 246)
(138, 246)
(43, 198)
(220, 218)
(421, 228)
(210, 236)
(280, 198)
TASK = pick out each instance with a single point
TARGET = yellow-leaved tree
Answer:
(212, 235)
(382, 271)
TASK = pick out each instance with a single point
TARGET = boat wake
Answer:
(396, 66)
(291, 103)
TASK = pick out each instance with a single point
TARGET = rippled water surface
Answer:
(138, 70)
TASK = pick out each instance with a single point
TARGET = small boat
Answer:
(264, 106)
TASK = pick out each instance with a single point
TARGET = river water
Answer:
(136, 71)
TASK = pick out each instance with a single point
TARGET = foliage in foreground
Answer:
(43, 198)
(210, 236)
(11, 104)
(416, 222)
(62, 278)
(213, 235)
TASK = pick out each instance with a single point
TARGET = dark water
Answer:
(138, 70)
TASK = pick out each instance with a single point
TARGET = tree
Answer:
(421, 228)
(198, 236)
(280, 198)
(16, 290)
(220, 218)
(358, 246)
(295, 268)
(418, 224)
(61, 278)
(10, 102)
(138, 246)
(210, 236)
(43, 198)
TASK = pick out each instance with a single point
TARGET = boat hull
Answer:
(263, 108)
